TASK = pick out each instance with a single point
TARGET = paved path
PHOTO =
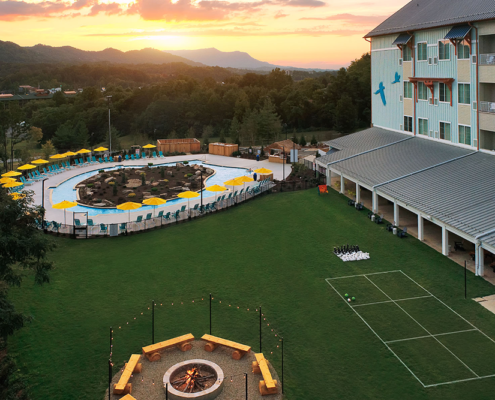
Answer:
(58, 215)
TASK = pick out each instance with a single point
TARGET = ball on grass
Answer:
(353, 299)
(349, 299)
(346, 295)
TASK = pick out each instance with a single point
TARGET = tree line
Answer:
(248, 109)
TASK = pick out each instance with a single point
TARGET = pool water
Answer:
(66, 191)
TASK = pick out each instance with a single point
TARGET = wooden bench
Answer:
(182, 342)
(132, 367)
(213, 342)
(268, 385)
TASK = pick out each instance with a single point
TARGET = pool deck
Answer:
(58, 215)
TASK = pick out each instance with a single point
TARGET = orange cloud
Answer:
(280, 14)
(350, 19)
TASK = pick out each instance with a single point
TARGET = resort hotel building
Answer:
(428, 160)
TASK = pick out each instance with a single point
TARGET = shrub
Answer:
(132, 194)
(314, 142)
(185, 162)
(154, 189)
(236, 153)
(302, 141)
(123, 178)
(90, 185)
(143, 179)
(162, 172)
(165, 180)
(185, 175)
(112, 183)
(101, 171)
(115, 190)
(150, 164)
(189, 175)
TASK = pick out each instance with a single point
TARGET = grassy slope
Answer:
(275, 251)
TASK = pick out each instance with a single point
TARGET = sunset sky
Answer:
(302, 33)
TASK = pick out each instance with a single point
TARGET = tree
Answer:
(314, 142)
(302, 141)
(48, 149)
(59, 98)
(222, 136)
(345, 115)
(234, 130)
(191, 133)
(69, 137)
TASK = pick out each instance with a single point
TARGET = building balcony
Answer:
(487, 59)
(487, 140)
(487, 106)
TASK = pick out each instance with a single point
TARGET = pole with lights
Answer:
(109, 98)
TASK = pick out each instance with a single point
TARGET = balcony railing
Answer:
(487, 59)
(487, 106)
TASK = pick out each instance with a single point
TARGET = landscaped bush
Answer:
(143, 179)
(101, 171)
(112, 183)
(236, 153)
(90, 185)
(154, 189)
(115, 190)
(150, 164)
(131, 195)
(185, 162)
(189, 175)
(162, 172)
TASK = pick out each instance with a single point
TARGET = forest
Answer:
(176, 101)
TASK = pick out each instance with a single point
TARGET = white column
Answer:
(420, 227)
(342, 183)
(374, 201)
(445, 241)
(329, 177)
(396, 214)
(480, 260)
(358, 193)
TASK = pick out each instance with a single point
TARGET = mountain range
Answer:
(13, 53)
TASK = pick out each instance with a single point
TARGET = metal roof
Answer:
(403, 38)
(458, 32)
(460, 193)
(359, 142)
(424, 14)
(397, 160)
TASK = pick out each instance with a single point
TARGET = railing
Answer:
(487, 106)
(487, 59)
(124, 228)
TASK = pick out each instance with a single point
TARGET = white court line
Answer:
(354, 276)
(390, 301)
(376, 334)
(455, 312)
(459, 380)
(426, 330)
(437, 334)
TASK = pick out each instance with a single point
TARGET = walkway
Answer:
(58, 215)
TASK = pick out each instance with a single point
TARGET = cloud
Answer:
(350, 19)
(280, 14)
(304, 3)
(12, 10)
(237, 32)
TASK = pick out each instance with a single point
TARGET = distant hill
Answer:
(231, 59)
(13, 53)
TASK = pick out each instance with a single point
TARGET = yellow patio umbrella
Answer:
(39, 161)
(188, 195)
(7, 180)
(58, 156)
(83, 151)
(149, 146)
(263, 171)
(26, 166)
(154, 201)
(101, 148)
(64, 205)
(11, 173)
(216, 188)
(128, 207)
(12, 184)
(245, 179)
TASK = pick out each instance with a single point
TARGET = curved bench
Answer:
(152, 352)
(268, 385)
(132, 367)
(213, 342)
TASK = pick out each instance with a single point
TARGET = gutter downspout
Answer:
(371, 83)
(477, 85)
(414, 76)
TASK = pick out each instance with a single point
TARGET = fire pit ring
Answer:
(176, 371)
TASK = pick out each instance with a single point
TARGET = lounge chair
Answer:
(77, 222)
(183, 208)
(127, 157)
(177, 215)
(89, 160)
(154, 154)
(110, 159)
(148, 216)
(207, 208)
(195, 209)
(100, 160)
(123, 227)
(160, 154)
(46, 172)
(106, 159)
(402, 233)
(213, 206)
(167, 216)
(94, 160)
(56, 226)
(459, 246)
(81, 161)
(58, 168)
(90, 222)
(76, 163)
(103, 228)
(160, 214)
(26, 181)
(132, 157)
(139, 218)
(143, 155)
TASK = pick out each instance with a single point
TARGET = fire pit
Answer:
(194, 379)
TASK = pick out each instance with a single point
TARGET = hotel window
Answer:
(423, 126)
(408, 90)
(444, 50)
(464, 90)
(465, 134)
(422, 91)
(408, 124)
(444, 93)
(463, 50)
(422, 56)
(444, 130)
(406, 53)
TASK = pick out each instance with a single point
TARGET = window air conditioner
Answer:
(400, 62)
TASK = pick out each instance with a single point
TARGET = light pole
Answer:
(43, 201)
(109, 98)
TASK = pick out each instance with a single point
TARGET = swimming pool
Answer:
(66, 191)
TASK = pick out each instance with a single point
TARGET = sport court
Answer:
(436, 344)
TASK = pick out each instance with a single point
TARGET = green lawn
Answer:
(275, 251)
